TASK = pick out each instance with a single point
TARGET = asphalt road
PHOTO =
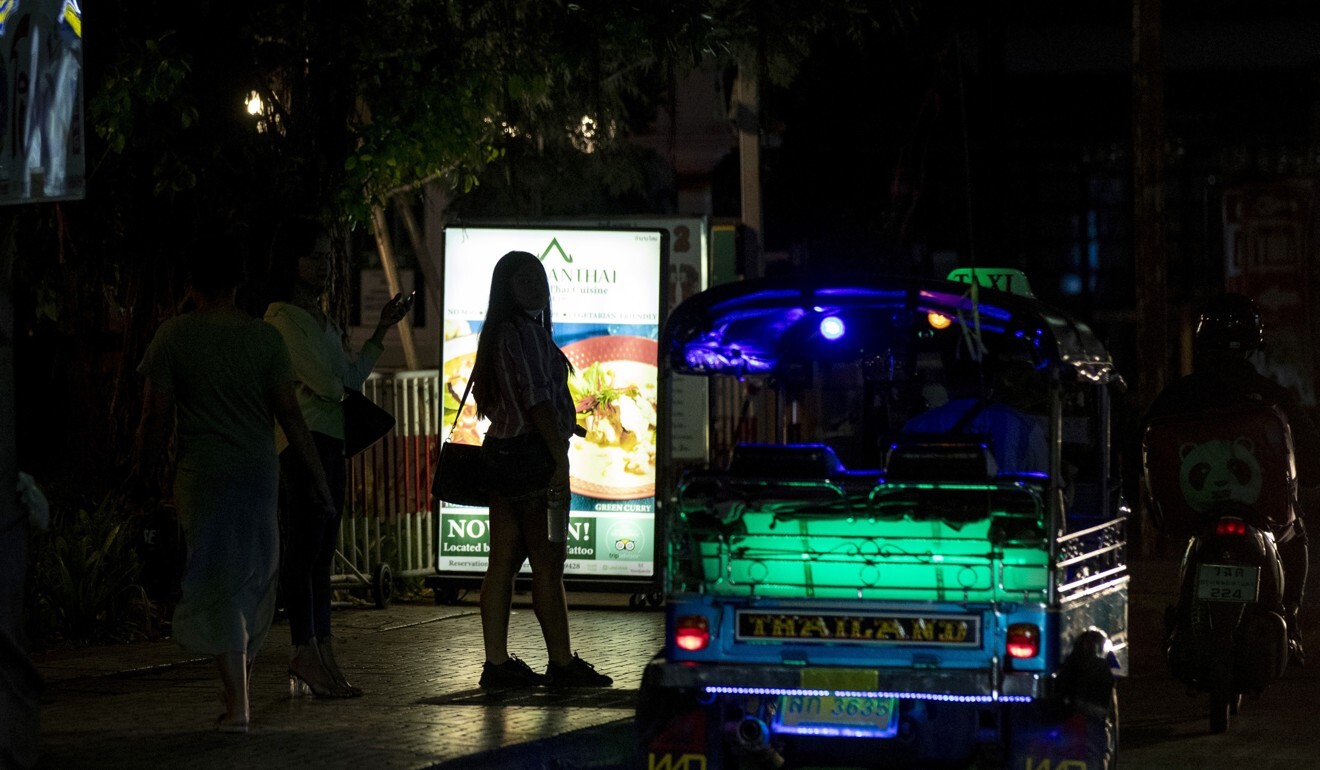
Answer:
(1161, 726)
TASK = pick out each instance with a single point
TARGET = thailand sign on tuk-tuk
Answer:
(928, 566)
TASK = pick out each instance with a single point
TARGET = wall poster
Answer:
(42, 148)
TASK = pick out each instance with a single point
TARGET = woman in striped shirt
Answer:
(520, 382)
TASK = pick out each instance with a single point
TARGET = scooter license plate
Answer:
(1228, 583)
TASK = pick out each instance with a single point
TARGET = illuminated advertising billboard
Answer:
(605, 289)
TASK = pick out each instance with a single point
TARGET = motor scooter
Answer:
(1227, 483)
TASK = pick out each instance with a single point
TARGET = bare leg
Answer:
(549, 599)
(502, 565)
(233, 675)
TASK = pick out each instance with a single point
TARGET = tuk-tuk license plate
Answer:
(1228, 583)
(831, 715)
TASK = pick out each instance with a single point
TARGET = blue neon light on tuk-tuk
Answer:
(854, 592)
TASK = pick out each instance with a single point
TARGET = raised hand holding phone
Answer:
(392, 313)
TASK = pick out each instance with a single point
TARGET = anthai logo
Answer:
(575, 275)
(554, 246)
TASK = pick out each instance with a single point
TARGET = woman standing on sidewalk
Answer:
(322, 368)
(222, 379)
(520, 382)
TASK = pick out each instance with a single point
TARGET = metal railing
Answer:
(388, 527)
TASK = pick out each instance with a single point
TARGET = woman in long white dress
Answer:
(221, 380)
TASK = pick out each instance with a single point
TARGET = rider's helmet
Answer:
(1230, 323)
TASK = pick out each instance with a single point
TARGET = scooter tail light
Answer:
(692, 632)
(1228, 526)
(1023, 640)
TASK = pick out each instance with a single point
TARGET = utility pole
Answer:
(1151, 261)
(1150, 257)
(747, 121)
(19, 683)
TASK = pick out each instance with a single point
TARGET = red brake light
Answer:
(692, 632)
(1023, 640)
(1230, 527)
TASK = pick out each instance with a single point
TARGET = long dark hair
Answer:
(294, 239)
(503, 308)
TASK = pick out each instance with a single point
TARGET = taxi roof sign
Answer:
(998, 278)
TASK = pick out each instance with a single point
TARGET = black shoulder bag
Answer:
(460, 473)
(364, 422)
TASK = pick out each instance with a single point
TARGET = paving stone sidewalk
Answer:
(152, 705)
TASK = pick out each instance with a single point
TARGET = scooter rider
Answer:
(1228, 331)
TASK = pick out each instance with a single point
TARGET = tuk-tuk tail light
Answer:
(1023, 640)
(691, 632)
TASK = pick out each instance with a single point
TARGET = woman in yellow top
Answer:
(322, 368)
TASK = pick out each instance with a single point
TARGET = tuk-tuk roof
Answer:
(757, 327)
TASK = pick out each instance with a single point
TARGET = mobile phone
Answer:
(408, 301)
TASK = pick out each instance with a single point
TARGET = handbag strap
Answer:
(463, 401)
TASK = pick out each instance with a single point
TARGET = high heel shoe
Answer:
(325, 648)
(299, 687)
(307, 675)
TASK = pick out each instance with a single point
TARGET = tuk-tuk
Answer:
(858, 594)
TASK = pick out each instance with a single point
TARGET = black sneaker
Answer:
(510, 673)
(576, 673)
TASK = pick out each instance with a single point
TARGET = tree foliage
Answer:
(360, 101)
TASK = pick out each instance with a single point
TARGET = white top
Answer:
(322, 368)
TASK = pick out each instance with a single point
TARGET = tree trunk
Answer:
(430, 273)
(392, 278)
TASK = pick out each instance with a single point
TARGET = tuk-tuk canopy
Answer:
(764, 327)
